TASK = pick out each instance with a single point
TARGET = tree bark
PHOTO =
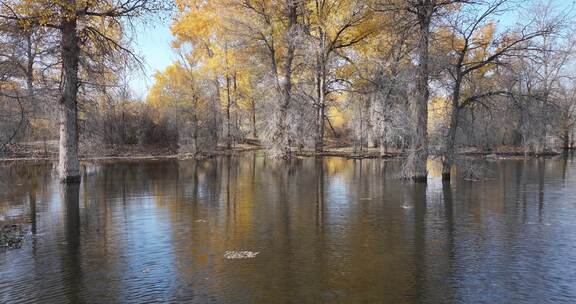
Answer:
(228, 104)
(448, 160)
(212, 140)
(214, 128)
(566, 139)
(254, 134)
(419, 107)
(320, 91)
(30, 69)
(234, 137)
(281, 139)
(195, 148)
(228, 101)
(68, 164)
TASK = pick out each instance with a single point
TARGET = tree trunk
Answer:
(214, 132)
(448, 160)
(449, 157)
(30, 70)
(566, 139)
(228, 101)
(68, 164)
(320, 114)
(254, 134)
(370, 142)
(25, 123)
(320, 92)
(228, 104)
(235, 104)
(195, 128)
(281, 140)
(418, 154)
(281, 137)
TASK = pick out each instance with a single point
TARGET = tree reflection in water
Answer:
(326, 230)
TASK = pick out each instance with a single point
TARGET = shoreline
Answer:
(346, 153)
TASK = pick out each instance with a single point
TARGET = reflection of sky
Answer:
(147, 252)
(336, 191)
(523, 253)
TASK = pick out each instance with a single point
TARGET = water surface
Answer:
(326, 231)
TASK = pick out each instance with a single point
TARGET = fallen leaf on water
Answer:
(235, 254)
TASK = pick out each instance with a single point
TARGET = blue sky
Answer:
(152, 42)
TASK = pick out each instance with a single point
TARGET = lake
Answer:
(248, 229)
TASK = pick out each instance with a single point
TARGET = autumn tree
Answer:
(276, 69)
(79, 23)
(473, 51)
(180, 94)
(27, 57)
(274, 31)
(334, 26)
(422, 14)
(383, 74)
(199, 35)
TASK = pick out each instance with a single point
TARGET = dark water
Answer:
(327, 231)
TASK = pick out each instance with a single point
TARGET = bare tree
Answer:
(469, 51)
(75, 23)
(420, 13)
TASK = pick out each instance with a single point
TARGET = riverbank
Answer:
(48, 151)
(38, 152)
(367, 153)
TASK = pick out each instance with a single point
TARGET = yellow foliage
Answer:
(438, 111)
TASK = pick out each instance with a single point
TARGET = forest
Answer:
(419, 79)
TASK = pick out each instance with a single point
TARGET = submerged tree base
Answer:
(420, 179)
(71, 179)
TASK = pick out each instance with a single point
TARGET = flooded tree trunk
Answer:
(566, 139)
(370, 128)
(418, 154)
(320, 115)
(367, 124)
(228, 104)
(254, 134)
(450, 155)
(68, 164)
(280, 139)
(288, 79)
(320, 92)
